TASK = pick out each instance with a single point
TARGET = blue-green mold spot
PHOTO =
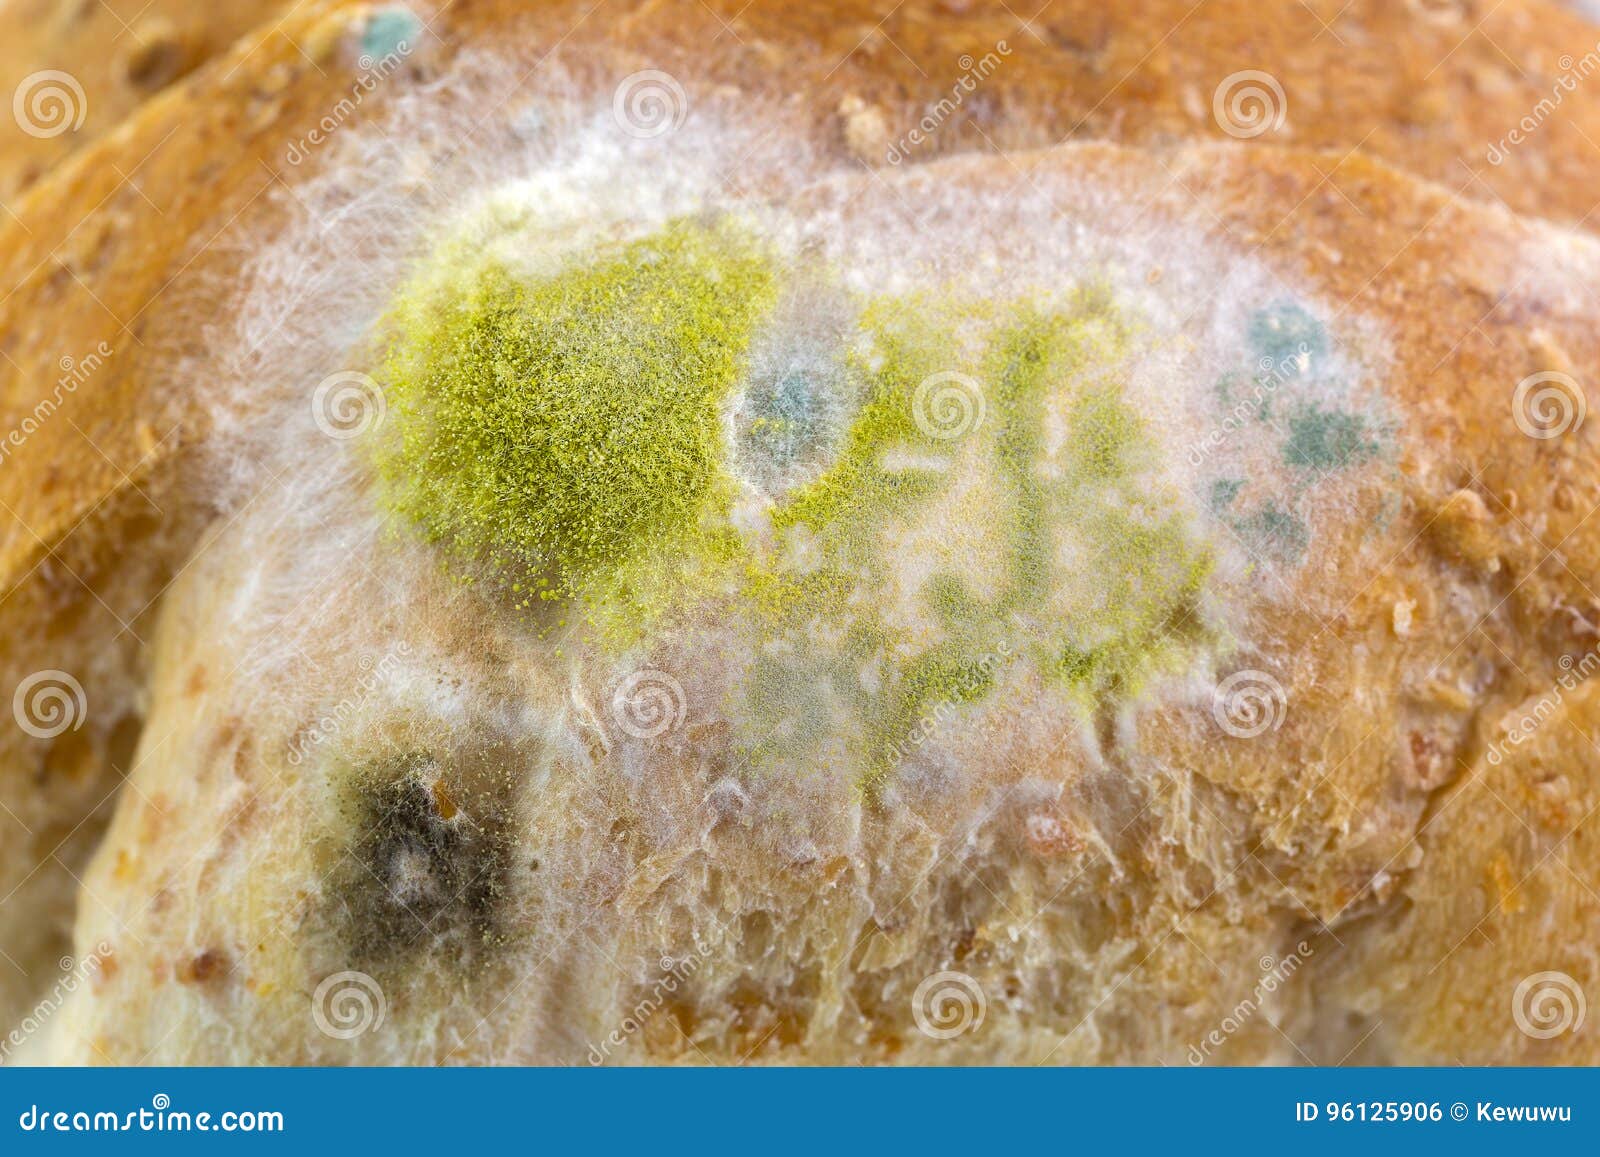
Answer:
(1328, 439)
(390, 32)
(1284, 332)
(793, 418)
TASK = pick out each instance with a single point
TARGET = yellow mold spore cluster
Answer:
(562, 430)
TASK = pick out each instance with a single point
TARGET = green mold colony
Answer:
(566, 436)
(565, 432)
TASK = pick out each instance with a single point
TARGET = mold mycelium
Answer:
(559, 429)
(948, 487)
(1033, 527)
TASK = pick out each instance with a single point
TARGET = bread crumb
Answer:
(208, 965)
(1464, 528)
(866, 130)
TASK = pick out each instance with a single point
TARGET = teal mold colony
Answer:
(1297, 401)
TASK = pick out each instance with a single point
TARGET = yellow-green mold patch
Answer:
(1099, 574)
(564, 431)
(1106, 568)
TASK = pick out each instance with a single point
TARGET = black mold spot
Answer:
(427, 871)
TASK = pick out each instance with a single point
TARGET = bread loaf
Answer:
(693, 535)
